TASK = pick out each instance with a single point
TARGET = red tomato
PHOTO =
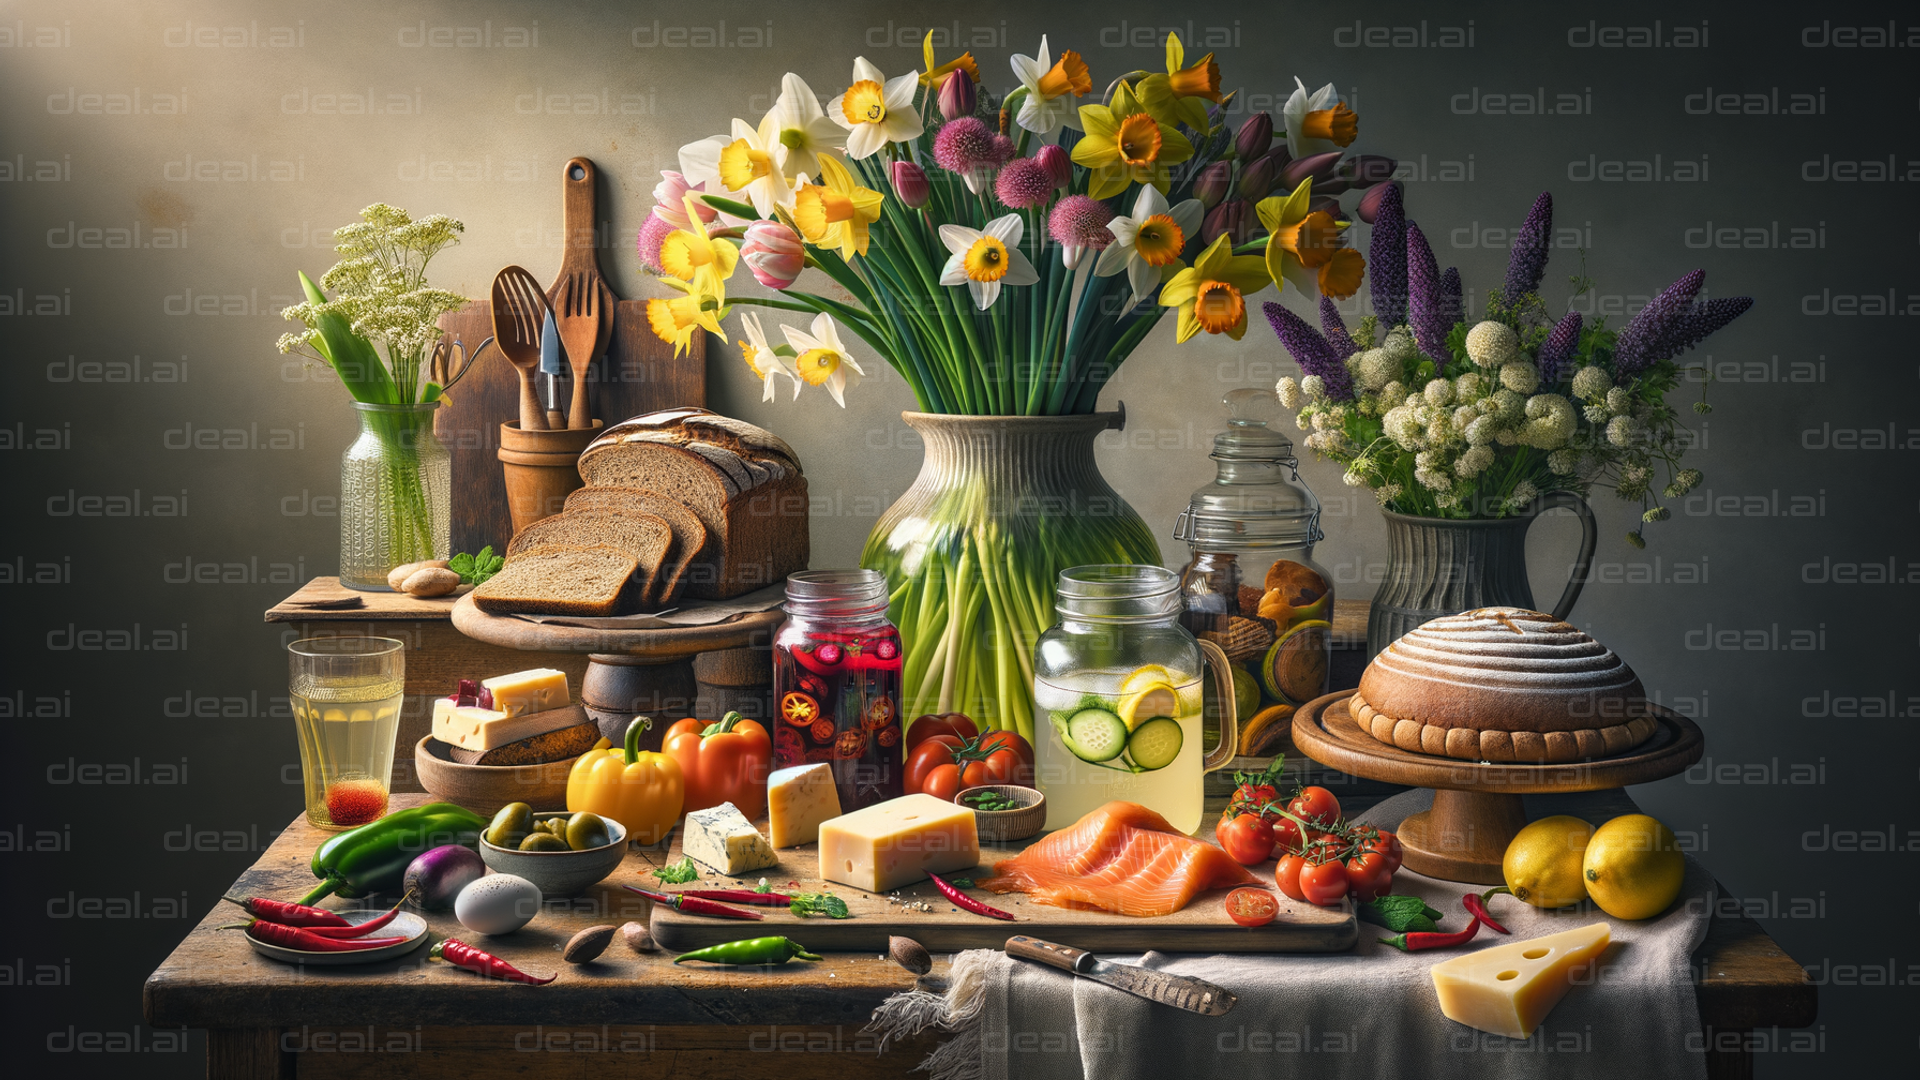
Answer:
(1247, 838)
(1287, 875)
(1324, 884)
(933, 752)
(1388, 845)
(953, 723)
(1315, 804)
(1286, 837)
(1252, 907)
(943, 783)
(943, 765)
(1011, 757)
(1368, 876)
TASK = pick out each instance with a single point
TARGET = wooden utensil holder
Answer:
(542, 468)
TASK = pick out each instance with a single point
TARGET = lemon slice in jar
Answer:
(1148, 703)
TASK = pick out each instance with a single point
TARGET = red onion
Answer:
(438, 875)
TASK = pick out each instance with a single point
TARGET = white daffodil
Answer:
(876, 110)
(801, 127)
(1148, 243)
(1051, 89)
(986, 259)
(822, 360)
(765, 362)
(752, 163)
(1294, 115)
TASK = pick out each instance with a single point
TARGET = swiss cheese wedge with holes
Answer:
(1508, 989)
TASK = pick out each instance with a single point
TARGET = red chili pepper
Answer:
(295, 937)
(1416, 941)
(1476, 905)
(363, 929)
(460, 954)
(279, 911)
(738, 896)
(694, 905)
(968, 903)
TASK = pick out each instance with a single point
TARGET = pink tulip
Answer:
(910, 180)
(669, 197)
(957, 98)
(773, 252)
(1058, 165)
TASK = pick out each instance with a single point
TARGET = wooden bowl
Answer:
(1001, 826)
(484, 789)
(560, 873)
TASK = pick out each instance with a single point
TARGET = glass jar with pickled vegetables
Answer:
(1252, 586)
(836, 683)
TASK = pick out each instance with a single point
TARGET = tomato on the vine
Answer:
(1324, 883)
(1247, 839)
(1368, 876)
(1287, 875)
(943, 765)
(959, 725)
(1286, 837)
(1252, 907)
(1315, 804)
(1387, 845)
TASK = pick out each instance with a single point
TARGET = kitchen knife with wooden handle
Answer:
(1180, 991)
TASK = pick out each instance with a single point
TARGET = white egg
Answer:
(497, 904)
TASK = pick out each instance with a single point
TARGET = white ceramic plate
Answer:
(407, 923)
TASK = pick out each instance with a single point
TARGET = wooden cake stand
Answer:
(1476, 804)
(629, 672)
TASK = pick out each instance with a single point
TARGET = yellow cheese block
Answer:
(473, 728)
(798, 800)
(532, 691)
(1508, 989)
(898, 842)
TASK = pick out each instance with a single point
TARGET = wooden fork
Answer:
(579, 324)
(519, 310)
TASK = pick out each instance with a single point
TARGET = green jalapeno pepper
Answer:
(373, 858)
(760, 950)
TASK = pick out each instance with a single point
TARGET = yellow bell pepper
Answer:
(643, 791)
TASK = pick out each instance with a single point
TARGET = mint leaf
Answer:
(1400, 914)
(960, 882)
(678, 873)
(805, 904)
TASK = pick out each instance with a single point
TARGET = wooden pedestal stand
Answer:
(1476, 805)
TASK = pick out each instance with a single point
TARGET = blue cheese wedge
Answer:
(723, 838)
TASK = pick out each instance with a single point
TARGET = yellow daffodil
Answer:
(1125, 144)
(767, 363)
(985, 259)
(822, 360)
(1179, 96)
(752, 162)
(801, 127)
(1308, 249)
(937, 73)
(835, 212)
(701, 306)
(686, 251)
(1051, 88)
(1148, 244)
(1211, 294)
(876, 110)
(1317, 122)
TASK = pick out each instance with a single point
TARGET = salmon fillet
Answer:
(1122, 858)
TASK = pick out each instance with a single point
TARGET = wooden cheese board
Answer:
(921, 913)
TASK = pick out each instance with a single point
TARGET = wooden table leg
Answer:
(247, 1054)
(1734, 1064)
(1464, 837)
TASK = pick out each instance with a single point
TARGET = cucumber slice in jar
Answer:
(1095, 735)
(1156, 743)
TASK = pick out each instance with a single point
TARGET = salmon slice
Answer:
(1122, 858)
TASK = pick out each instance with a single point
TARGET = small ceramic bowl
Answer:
(999, 826)
(559, 873)
(484, 789)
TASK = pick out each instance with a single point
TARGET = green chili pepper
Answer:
(760, 950)
(373, 858)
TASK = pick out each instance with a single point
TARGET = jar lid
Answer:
(1118, 592)
(1256, 499)
(836, 592)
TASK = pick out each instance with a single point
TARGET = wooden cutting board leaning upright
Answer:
(637, 373)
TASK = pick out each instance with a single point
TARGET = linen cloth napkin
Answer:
(1366, 1014)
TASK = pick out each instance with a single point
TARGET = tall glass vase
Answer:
(972, 552)
(396, 494)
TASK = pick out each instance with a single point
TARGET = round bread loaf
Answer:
(1502, 684)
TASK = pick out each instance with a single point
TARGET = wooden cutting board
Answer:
(921, 913)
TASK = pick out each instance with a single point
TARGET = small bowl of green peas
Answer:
(1004, 812)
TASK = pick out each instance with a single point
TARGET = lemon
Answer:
(1543, 864)
(1633, 867)
(1153, 700)
(1144, 676)
(1246, 694)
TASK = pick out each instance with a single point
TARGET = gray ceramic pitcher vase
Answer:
(1441, 566)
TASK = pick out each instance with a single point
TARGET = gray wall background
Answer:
(118, 116)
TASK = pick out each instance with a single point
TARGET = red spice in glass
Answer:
(836, 683)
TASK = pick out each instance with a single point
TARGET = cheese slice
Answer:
(723, 838)
(798, 800)
(471, 727)
(898, 842)
(1508, 989)
(532, 691)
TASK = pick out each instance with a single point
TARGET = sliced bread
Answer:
(647, 537)
(556, 579)
(690, 539)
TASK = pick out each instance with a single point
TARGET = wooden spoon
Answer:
(519, 310)
(579, 324)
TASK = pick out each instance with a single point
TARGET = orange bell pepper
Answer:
(724, 762)
(639, 789)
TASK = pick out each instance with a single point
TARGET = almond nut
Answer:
(588, 944)
(639, 938)
(910, 954)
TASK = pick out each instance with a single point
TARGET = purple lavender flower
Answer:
(1311, 351)
(1424, 305)
(1387, 258)
(1334, 329)
(1702, 319)
(1556, 353)
(1452, 307)
(1641, 343)
(1528, 263)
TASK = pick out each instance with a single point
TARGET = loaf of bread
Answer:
(646, 537)
(742, 482)
(556, 579)
(690, 540)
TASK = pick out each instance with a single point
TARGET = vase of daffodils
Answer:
(1005, 257)
(396, 478)
(1468, 428)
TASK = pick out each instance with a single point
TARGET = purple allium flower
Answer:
(1334, 329)
(1702, 319)
(1452, 307)
(1641, 343)
(1079, 224)
(1556, 353)
(653, 233)
(1024, 184)
(1528, 263)
(964, 145)
(1424, 307)
(1387, 257)
(1311, 351)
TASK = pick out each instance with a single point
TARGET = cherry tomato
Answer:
(1315, 804)
(999, 757)
(999, 745)
(1324, 884)
(1287, 875)
(930, 754)
(953, 723)
(1247, 839)
(1388, 845)
(1368, 876)
(1286, 837)
(1252, 907)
